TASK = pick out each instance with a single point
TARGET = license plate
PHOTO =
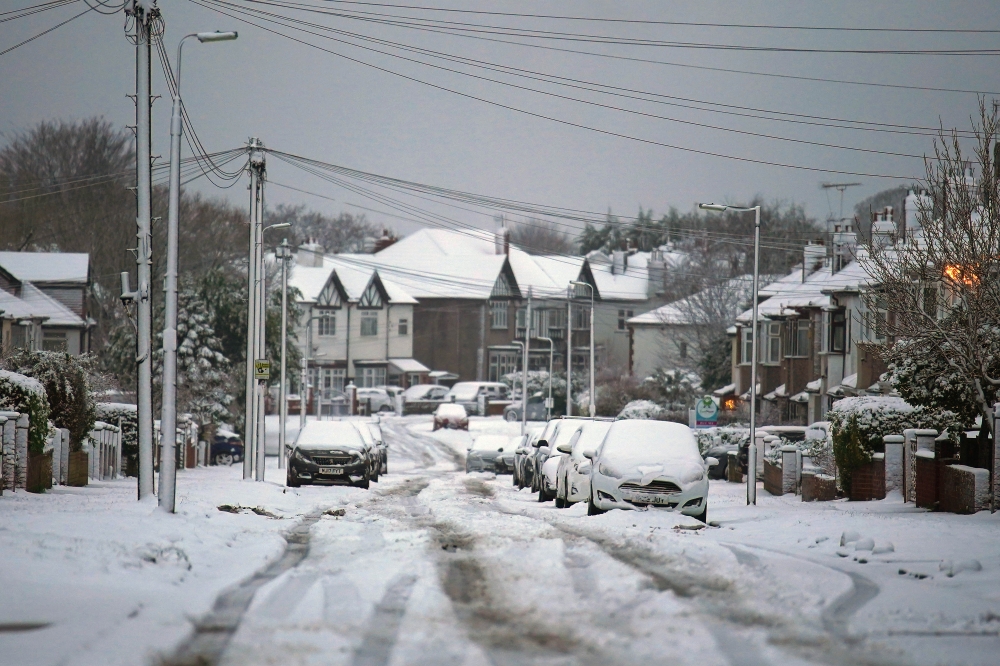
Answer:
(649, 499)
(331, 470)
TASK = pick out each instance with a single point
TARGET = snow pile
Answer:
(641, 409)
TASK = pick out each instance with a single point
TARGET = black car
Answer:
(329, 453)
(226, 450)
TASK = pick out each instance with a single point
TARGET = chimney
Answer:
(501, 239)
(883, 228)
(310, 255)
(384, 241)
(656, 273)
(813, 255)
(619, 262)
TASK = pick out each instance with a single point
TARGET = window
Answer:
(747, 345)
(326, 321)
(557, 323)
(404, 326)
(502, 363)
(623, 317)
(52, 341)
(498, 315)
(879, 320)
(838, 331)
(683, 349)
(772, 348)
(19, 337)
(798, 338)
(369, 323)
(370, 377)
(581, 318)
(538, 319)
(327, 379)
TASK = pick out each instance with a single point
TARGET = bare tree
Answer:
(536, 236)
(936, 294)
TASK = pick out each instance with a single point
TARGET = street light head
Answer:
(719, 208)
(216, 36)
(279, 225)
(579, 284)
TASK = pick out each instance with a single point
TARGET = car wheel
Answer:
(363, 483)
(291, 480)
(385, 408)
(542, 497)
(592, 509)
(703, 516)
(224, 459)
(513, 478)
(511, 416)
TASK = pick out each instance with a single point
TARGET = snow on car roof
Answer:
(490, 442)
(465, 390)
(365, 433)
(636, 441)
(450, 409)
(329, 433)
(566, 433)
(592, 435)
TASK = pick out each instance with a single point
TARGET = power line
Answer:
(551, 118)
(45, 32)
(14, 14)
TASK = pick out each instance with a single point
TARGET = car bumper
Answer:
(608, 494)
(308, 472)
(480, 464)
(577, 487)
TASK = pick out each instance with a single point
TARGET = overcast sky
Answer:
(315, 104)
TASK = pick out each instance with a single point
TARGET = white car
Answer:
(573, 475)
(378, 400)
(547, 477)
(371, 449)
(383, 449)
(649, 463)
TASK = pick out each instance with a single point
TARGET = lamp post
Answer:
(752, 448)
(168, 417)
(593, 404)
(548, 402)
(569, 350)
(284, 254)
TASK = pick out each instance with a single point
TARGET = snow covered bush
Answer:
(721, 436)
(676, 388)
(19, 393)
(125, 414)
(64, 379)
(642, 409)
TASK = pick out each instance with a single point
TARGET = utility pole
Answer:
(284, 255)
(569, 350)
(261, 445)
(250, 422)
(524, 370)
(144, 13)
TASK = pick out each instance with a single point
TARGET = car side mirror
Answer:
(469, 449)
(500, 450)
(544, 450)
(711, 461)
(590, 454)
(541, 443)
(564, 448)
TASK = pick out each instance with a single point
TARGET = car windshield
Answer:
(640, 442)
(464, 391)
(550, 430)
(418, 391)
(490, 443)
(566, 433)
(327, 434)
(592, 434)
(450, 410)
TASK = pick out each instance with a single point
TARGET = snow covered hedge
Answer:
(642, 409)
(19, 393)
(720, 436)
(64, 380)
(128, 415)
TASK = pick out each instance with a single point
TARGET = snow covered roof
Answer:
(41, 304)
(791, 292)
(679, 312)
(12, 307)
(355, 278)
(408, 365)
(815, 385)
(728, 389)
(47, 266)
(629, 285)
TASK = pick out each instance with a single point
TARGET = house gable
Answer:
(505, 285)
(374, 294)
(333, 294)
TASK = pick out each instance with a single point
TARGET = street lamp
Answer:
(168, 417)
(548, 402)
(752, 448)
(593, 405)
(284, 254)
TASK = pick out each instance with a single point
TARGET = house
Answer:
(668, 336)
(358, 327)
(43, 301)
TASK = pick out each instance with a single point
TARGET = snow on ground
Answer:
(434, 566)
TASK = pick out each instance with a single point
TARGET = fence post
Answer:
(64, 452)
(10, 450)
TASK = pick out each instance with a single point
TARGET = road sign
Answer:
(261, 369)
(706, 413)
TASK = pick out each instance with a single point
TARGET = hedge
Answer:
(19, 393)
(128, 415)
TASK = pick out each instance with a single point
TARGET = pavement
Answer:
(435, 566)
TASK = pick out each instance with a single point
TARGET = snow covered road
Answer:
(434, 566)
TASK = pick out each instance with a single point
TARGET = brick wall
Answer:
(818, 487)
(772, 478)
(868, 481)
(926, 485)
(964, 489)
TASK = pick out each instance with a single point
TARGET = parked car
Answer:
(423, 398)
(721, 454)
(790, 433)
(467, 393)
(226, 449)
(393, 391)
(486, 454)
(510, 455)
(547, 463)
(648, 463)
(536, 409)
(540, 451)
(450, 415)
(328, 453)
(522, 457)
(374, 457)
(573, 474)
(378, 400)
(382, 446)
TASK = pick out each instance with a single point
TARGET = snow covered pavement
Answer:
(433, 566)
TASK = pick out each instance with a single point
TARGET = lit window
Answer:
(369, 323)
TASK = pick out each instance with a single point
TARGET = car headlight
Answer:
(608, 470)
(693, 474)
(300, 456)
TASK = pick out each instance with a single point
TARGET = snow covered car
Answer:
(467, 393)
(539, 451)
(374, 457)
(573, 475)
(328, 453)
(510, 454)
(449, 415)
(548, 462)
(380, 444)
(376, 399)
(648, 463)
(522, 469)
(485, 454)
(423, 398)
(536, 409)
